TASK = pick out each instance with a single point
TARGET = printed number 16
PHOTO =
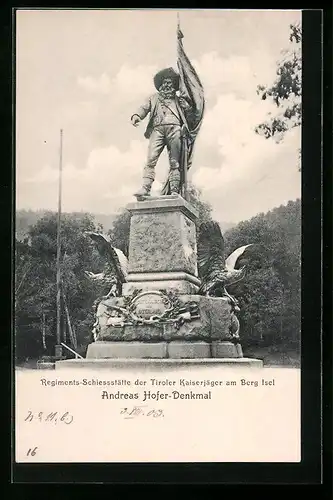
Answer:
(32, 452)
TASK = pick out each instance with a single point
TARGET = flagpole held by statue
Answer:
(175, 116)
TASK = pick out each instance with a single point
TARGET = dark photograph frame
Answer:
(316, 334)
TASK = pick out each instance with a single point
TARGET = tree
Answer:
(195, 198)
(286, 90)
(270, 294)
(35, 284)
(26, 285)
(119, 233)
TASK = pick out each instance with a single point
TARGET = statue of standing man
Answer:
(175, 116)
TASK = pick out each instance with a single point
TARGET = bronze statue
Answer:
(175, 116)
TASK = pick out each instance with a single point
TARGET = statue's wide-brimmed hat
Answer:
(166, 73)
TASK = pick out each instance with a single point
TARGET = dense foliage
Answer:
(285, 91)
(24, 219)
(271, 292)
(35, 283)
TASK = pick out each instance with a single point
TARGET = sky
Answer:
(87, 71)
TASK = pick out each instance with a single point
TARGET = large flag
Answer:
(191, 90)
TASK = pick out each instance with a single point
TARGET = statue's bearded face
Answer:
(167, 89)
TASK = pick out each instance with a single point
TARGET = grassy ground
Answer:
(272, 356)
(30, 364)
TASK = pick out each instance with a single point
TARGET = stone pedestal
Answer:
(176, 349)
(162, 246)
(159, 316)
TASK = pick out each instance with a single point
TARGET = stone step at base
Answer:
(159, 364)
(163, 350)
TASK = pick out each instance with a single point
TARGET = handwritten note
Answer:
(53, 417)
(141, 411)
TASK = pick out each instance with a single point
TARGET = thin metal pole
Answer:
(43, 330)
(59, 252)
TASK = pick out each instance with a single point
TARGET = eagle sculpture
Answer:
(215, 271)
(116, 267)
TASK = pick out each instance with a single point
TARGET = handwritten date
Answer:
(54, 417)
(141, 411)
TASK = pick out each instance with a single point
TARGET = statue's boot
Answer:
(146, 188)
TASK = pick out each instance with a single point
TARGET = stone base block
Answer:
(178, 286)
(182, 350)
(213, 322)
(173, 350)
(162, 236)
(156, 364)
(226, 350)
(98, 350)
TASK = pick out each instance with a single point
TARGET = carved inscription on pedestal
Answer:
(148, 304)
